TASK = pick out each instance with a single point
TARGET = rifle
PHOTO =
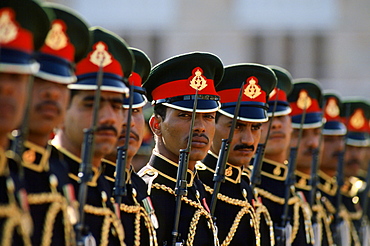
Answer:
(119, 189)
(260, 153)
(85, 172)
(289, 182)
(20, 135)
(181, 181)
(340, 183)
(314, 168)
(219, 175)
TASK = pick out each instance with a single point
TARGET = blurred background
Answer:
(328, 40)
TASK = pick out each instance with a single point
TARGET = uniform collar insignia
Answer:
(168, 169)
(302, 180)
(36, 157)
(232, 173)
(74, 167)
(109, 171)
(327, 184)
(274, 170)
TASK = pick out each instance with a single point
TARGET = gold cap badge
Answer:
(332, 108)
(57, 38)
(198, 81)
(304, 101)
(100, 55)
(8, 29)
(252, 90)
(357, 119)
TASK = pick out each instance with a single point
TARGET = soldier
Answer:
(66, 43)
(274, 168)
(239, 225)
(172, 86)
(333, 145)
(305, 101)
(110, 60)
(19, 38)
(136, 208)
(356, 116)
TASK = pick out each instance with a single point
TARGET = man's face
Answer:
(136, 131)
(309, 141)
(354, 159)
(48, 106)
(109, 121)
(244, 142)
(174, 133)
(333, 146)
(13, 94)
(279, 137)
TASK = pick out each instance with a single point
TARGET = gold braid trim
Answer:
(109, 218)
(140, 212)
(274, 198)
(197, 214)
(246, 209)
(295, 226)
(346, 215)
(14, 220)
(323, 218)
(328, 205)
(57, 203)
(307, 214)
(262, 209)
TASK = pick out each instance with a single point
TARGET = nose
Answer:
(107, 115)
(312, 141)
(125, 118)
(247, 137)
(276, 123)
(199, 124)
(51, 91)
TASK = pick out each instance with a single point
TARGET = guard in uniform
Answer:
(274, 168)
(172, 85)
(333, 132)
(306, 101)
(137, 214)
(49, 193)
(110, 60)
(19, 38)
(356, 115)
(235, 210)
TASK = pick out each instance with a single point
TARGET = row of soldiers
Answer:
(244, 154)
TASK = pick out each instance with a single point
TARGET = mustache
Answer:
(309, 151)
(107, 128)
(48, 103)
(337, 154)
(199, 135)
(353, 162)
(244, 146)
(279, 133)
(123, 133)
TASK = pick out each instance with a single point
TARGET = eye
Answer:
(256, 127)
(209, 116)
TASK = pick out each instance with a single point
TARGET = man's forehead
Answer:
(103, 94)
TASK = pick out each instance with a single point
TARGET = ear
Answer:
(155, 125)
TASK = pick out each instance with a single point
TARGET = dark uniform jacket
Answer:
(327, 186)
(45, 182)
(137, 214)
(100, 218)
(236, 219)
(196, 225)
(15, 219)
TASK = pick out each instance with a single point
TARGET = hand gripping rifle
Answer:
(85, 172)
(340, 183)
(181, 181)
(119, 189)
(290, 180)
(219, 175)
(260, 153)
(314, 168)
